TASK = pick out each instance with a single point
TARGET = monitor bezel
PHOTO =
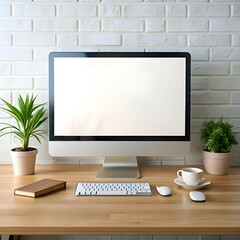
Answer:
(185, 55)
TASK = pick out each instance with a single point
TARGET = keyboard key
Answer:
(113, 189)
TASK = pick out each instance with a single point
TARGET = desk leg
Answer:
(10, 237)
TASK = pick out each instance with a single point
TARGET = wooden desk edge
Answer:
(117, 231)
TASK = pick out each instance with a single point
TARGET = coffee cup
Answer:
(191, 176)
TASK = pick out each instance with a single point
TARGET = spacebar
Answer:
(112, 193)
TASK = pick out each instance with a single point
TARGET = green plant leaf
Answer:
(217, 136)
(28, 118)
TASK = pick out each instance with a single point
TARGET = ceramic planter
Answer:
(24, 162)
(216, 163)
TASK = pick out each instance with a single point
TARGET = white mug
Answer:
(191, 176)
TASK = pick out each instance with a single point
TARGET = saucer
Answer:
(205, 182)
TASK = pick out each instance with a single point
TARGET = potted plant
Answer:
(28, 117)
(218, 139)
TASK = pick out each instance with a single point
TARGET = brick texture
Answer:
(208, 29)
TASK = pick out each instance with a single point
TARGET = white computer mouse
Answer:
(197, 196)
(164, 191)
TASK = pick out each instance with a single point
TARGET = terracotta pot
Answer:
(24, 162)
(216, 163)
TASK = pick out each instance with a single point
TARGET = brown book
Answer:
(39, 188)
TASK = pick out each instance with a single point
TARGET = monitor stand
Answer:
(119, 167)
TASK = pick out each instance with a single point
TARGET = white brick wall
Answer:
(208, 29)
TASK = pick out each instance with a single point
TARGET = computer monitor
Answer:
(119, 105)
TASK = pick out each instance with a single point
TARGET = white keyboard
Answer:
(113, 189)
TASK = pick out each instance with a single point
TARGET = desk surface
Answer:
(61, 213)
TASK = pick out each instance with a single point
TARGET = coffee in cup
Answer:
(191, 176)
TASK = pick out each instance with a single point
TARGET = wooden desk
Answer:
(61, 213)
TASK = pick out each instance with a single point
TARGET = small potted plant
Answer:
(218, 139)
(28, 117)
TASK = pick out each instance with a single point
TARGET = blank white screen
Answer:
(119, 96)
